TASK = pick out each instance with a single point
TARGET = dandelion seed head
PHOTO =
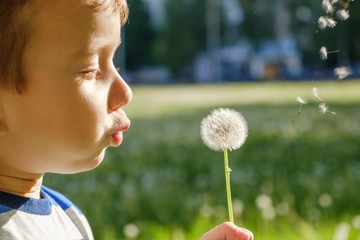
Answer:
(224, 128)
(323, 53)
(343, 14)
(342, 72)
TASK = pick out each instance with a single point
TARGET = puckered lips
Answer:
(117, 136)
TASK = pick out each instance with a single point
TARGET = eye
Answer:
(89, 75)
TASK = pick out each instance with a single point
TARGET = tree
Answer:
(139, 36)
(183, 35)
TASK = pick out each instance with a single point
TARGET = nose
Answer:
(120, 93)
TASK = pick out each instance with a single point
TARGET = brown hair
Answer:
(15, 32)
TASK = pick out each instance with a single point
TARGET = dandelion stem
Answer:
(228, 189)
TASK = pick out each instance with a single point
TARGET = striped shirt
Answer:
(51, 217)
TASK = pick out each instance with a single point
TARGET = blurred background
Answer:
(234, 40)
(297, 175)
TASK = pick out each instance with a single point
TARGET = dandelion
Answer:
(343, 14)
(323, 108)
(356, 222)
(316, 94)
(342, 72)
(264, 203)
(301, 101)
(222, 130)
(282, 208)
(324, 53)
(342, 231)
(325, 200)
(131, 230)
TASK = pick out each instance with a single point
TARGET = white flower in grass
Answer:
(323, 108)
(343, 14)
(342, 72)
(131, 230)
(224, 128)
(325, 200)
(356, 222)
(342, 231)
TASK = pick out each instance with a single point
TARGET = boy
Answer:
(61, 102)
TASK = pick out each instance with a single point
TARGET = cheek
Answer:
(87, 114)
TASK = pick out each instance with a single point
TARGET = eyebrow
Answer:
(94, 47)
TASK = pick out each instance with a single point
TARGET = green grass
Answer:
(171, 185)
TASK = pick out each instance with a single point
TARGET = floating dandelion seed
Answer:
(324, 53)
(323, 108)
(342, 72)
(222, 130)
(301, 101)
(343, 14)
(322, 22)
(325, 21)
(330, 22)
(316, 94)
(327, 6)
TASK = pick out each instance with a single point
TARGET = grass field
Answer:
(295, 178)
(164, 99)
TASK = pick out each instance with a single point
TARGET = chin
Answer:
(84, 165)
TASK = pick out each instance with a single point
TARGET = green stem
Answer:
(228, 190)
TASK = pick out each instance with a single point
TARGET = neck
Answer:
(19, 183)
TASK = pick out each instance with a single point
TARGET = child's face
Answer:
(71, 111)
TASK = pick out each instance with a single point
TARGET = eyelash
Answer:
(88, 75)
(93, 74)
